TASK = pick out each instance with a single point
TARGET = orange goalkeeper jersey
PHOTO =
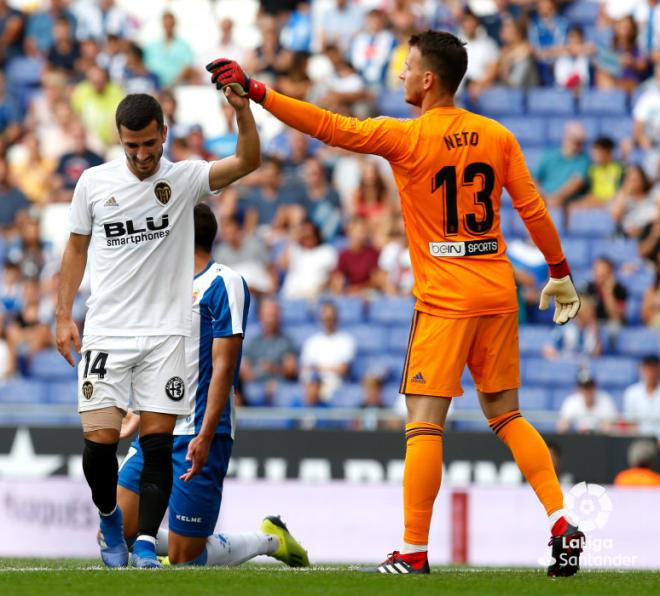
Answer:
(450, 166)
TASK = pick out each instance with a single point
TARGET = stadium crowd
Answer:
(317, 232)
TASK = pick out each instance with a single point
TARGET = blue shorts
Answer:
(194, 505)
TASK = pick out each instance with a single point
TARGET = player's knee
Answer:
(185, 550)
(157, 453)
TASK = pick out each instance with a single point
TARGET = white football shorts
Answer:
(145, 372)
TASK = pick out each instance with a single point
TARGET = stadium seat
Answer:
(467, 382)
(633, 311)
(388, 310)
(370, 339)
(582, 12)
(550, 102)
(638, 341)
(528, 131)
(614, 372)
(288, 395)
(532, 338)
(556, 128)
(392, 103)
(533, 157)
(551, 373)
(637, 281)
(577, 251)
(397, 342)
(255, 393)
(349, 309)
(617, 129)
(391, 394)
(22, 391)
(534, 398)
(349, 395)
(48, 365)
(299, 333)
(62, 392)
(506, 219)
(294, 312)
(591, 222)
(618, 250)
(501, 101)
(594, 102)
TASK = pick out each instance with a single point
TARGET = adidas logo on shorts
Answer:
(418, 378)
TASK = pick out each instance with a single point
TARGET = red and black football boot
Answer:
(567, 545)
(397, 562)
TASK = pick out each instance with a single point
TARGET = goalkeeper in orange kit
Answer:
(450, 167)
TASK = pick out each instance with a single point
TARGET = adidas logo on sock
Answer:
(418, 378)
(111, 202)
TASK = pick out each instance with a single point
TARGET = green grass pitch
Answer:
(65, 576)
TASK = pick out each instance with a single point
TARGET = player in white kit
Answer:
(136, 212)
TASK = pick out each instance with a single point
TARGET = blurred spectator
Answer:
(72, 165)
(12, 24)
(573, 67)
(516, 66)
(113, 57)
(270, 355)
(373, 405)
(246, 254)
(345, 88)
(403, 20)
(11, 288)
(307, 263)
(291, 147)
(293, 80)
(65, 51)
(321, 205)
(649, 238)
(90, 55)
(340, 23)
(647, 17)
(394, 263)
(224, 145)
(226, 46)
(23, 75)
(623, 65)
(505, 11)
(101, 18)
(10, 128)
(28, 249)
(137, 78)
(357, 266)
(579, 338)
(610, 296)
(633, 206)
(646, 117)
(40, 24)
(95, 100)
(196, 143)
(55, 138)
(641, 401)
(547, 34)
(328, 353)
(12, 200)
(563, 171)
(265, 58)
(603, 176)
(270, 204)
(297, 31)
(371, 49)
(6, 357)
(587, 410)
(651, 304)
(372, 200)
(642, 456)
(32, 170)
(483, 55)
(171, 59)
(27, 334)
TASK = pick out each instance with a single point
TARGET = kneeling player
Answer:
(203, 440)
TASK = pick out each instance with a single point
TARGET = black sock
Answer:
(100, 467)
(155, 483)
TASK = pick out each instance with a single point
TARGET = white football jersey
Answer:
(140, 260)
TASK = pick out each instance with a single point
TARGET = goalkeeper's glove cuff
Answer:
(256, 90)
(559, 270)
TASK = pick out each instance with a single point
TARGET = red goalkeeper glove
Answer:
(228, 72)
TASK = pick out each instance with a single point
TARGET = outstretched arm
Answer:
(387, 137)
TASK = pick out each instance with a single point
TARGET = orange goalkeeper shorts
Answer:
(439, 348)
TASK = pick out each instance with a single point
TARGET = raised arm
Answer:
(387, 137)
(248, 151)
(71, 274)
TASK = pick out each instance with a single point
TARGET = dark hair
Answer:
(136, 51)
(206, 227)
(605, 143)
(576, 29)
(444, 54)
(137, 111)
(650, 360)
(646, 183)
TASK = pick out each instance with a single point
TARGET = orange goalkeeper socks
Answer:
(421, 479)
(532, 456)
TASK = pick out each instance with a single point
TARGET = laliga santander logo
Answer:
(589, 506)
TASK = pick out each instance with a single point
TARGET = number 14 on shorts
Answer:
(98, 364)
